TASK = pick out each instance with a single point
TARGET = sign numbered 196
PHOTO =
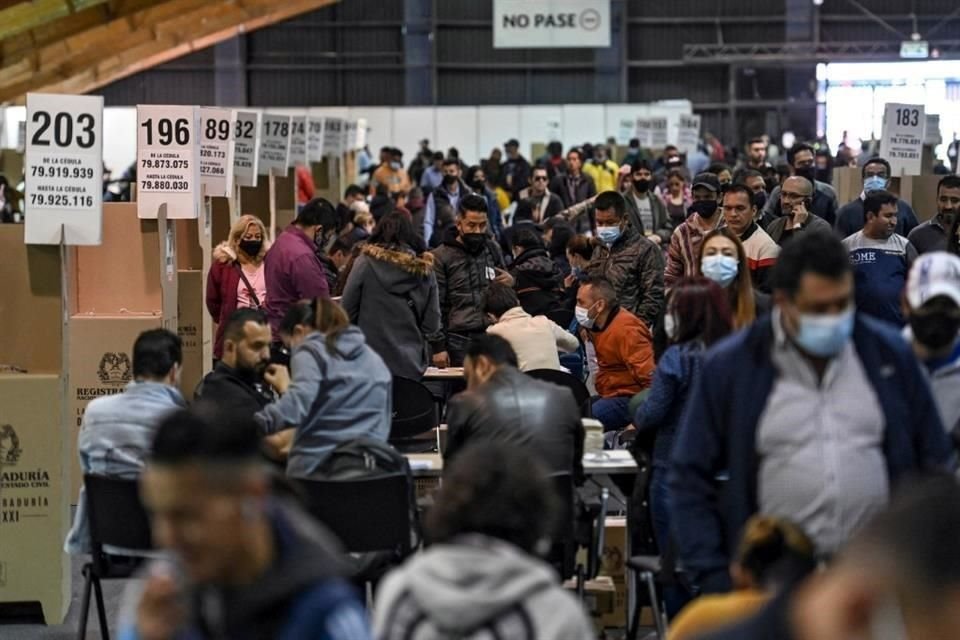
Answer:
(63, 169)
(168, 171)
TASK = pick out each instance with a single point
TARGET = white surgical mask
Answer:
(670, 326)
(582, 314)
(824, 335)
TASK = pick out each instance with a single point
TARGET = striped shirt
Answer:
(684, 249)
(762, 253)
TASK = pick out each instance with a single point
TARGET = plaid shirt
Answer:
(685, 249)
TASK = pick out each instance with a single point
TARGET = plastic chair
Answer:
(414, 414)
(564, 379)
(116, 518)
(366, 514)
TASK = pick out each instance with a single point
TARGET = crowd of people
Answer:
(785, 363)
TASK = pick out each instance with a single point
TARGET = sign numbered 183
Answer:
(63, 169)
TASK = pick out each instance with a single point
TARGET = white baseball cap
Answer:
(934, 274)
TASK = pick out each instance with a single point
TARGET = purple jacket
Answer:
(292, 272)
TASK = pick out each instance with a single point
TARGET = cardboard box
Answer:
(101, 364)
(598, 602)
(191, 310)
(34, 512)
(615, 552)
(615, 616)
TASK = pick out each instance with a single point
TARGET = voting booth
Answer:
(35, 444)
(118, 289)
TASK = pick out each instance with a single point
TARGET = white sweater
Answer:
(536, 340)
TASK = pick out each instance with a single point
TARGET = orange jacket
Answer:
(624, 355)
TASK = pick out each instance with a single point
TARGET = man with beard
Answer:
(932, 234)
(236, 383)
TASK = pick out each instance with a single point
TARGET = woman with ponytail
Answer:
(340, 389)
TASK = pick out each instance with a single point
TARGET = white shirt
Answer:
(535, 340)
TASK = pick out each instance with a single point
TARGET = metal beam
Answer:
(805, 52)
(419, 78)
(230, 72)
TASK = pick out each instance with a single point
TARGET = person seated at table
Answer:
(773, 556)
(505, 406)
(236, 383)
(481, 576)
(117, 430)
(535, 339)
(341, 389)
(624, 349)
(239, 559)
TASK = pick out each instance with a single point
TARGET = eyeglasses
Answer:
(539, 178)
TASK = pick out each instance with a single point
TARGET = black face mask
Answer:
(807, 172)
(251, 247)
(705, 208)
(449, 181)
(770, 184)
(760, 199)
(641, 185)
(478, 186)
(474, 242)
(935, 331)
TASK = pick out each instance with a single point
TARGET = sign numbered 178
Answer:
(64, 168)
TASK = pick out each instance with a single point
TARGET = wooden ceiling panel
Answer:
(94, 47)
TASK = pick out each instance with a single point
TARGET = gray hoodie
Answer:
(462, 589)
(331, 399)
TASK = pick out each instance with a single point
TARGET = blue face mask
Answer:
(608, 235)
(721, 269)
(874, 183)
(824, 335)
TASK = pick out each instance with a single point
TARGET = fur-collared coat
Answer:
(391, 294)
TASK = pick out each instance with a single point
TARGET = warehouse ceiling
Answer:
(77, 46)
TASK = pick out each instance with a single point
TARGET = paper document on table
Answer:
(420, 465)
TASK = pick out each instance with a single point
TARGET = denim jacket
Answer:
(115, 438)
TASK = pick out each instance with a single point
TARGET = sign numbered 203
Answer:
(63, 169)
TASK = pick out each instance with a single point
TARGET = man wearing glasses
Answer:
(823, 202)
(796, 196)
(544, 203)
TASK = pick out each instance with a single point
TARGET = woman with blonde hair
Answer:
(774, 554)
(236, 279)
(723, 260)
(341, 390)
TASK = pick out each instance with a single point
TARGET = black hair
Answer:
(554, 148)
(450, 160)
(234, 329)
(634, 142)
(494, 490)
(381, 206)
(740, 177)
(948, 182)
(611, 200)
(353, 190)
(877, 160)
(202, 435)
(640, 163)
(578, 151)
(339, 245)
(561, 236)
(797, 148)
(754, 140)
(394, 229)
(737, 187)
(471, 173)
(524, 211)
(155, 352)
(877, 199)
(495, 348)
(453, 152)
(473, 202)
(818, 252)
(527, 238)
(320, 212)
(718, 167)
(499, 298)
(437, 155)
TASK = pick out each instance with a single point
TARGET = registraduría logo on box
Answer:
(115, 369)
(10, 449)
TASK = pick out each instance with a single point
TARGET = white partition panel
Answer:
(496, 125)
(410, 125)
(540, 124)
(457, 127)
(379, 125)
(583, 123)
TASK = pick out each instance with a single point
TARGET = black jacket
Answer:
(226, 389)
(462, 279)
(584, 189)
(538, 282)
(513, 408)
(634, 266)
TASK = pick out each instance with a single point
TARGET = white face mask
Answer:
(670, 326)
(582, 314)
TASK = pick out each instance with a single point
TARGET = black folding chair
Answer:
(414, 414)
(564, 379)
(565, 543)
(367, 514)
(116, 518)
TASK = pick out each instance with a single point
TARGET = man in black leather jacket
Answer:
(503, 405)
